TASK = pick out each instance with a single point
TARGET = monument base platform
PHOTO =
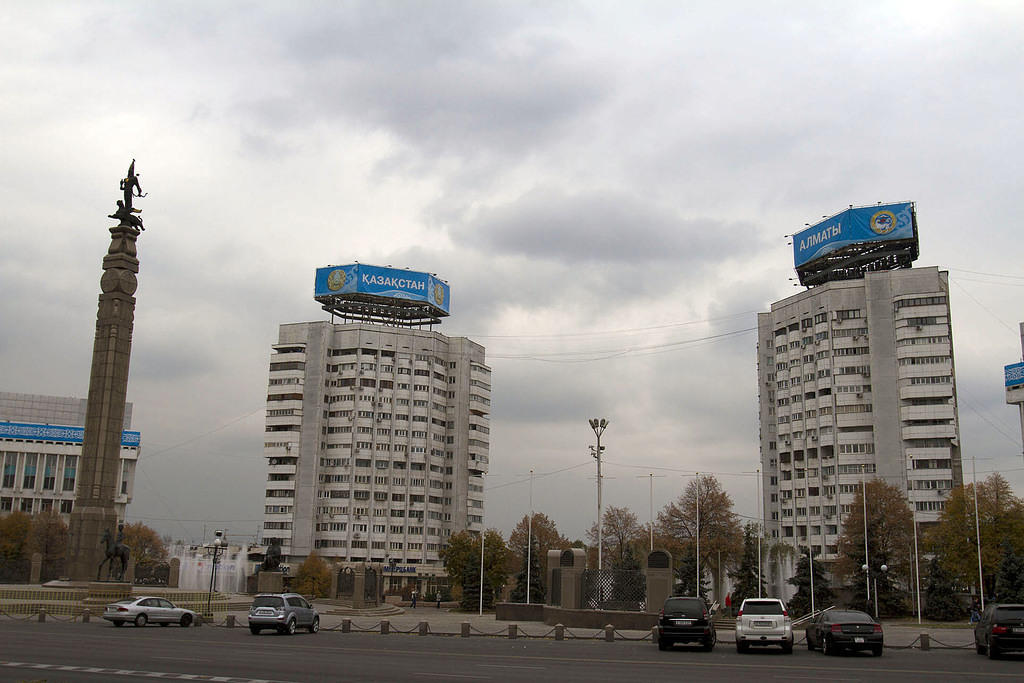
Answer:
(270, 582)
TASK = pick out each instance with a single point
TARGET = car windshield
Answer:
(1009, 613)
(691, 608)
(267, 601)
(762, 607)
(850, 618)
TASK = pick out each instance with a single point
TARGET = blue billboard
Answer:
(391, 283)
(883, 222)
(58, 433)
(1014, 374)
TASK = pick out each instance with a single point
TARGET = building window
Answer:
(50, 473)
(10, 461)
(70, 469)
(29, 480)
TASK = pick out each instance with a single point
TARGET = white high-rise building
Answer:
(856, 381)
(377, 441)
(40, 450)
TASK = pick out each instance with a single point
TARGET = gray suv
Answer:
(284, 612)
(763, 621)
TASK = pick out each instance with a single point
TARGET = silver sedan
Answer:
(143, 610)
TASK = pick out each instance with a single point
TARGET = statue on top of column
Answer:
(125, 212)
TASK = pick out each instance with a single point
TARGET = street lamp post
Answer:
(867, 573)
(697, 498)
(219, 544)
(483, 531)
(760, 530)
(864, 500)
(917, 561)
(529, 541)
(977, 532)
(599, 425)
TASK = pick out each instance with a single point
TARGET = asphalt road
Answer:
(52, 651)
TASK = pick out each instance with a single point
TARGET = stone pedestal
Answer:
(359, 587)
(658, 570)
(572, 562)
(36, 571)
(174, 574)
(129, 574)
(270, 582)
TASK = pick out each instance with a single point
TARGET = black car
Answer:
(1000, 629)
(686, 620)
(836, 630)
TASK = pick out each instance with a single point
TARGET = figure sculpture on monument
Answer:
(272, 560)
(115, 549)
(125, 212)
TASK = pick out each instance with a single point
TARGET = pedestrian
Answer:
(414, 599)
(438, 599)
(975, 610)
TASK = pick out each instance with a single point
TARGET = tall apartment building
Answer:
(40, 448)
(376, 443)
(856, 381)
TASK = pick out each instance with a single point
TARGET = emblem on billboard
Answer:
(883, 222)
(438, 294)
(336, 280)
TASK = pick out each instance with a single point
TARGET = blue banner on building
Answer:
(393, 283)
(862, 224)
(1014, 374)
(59, 433)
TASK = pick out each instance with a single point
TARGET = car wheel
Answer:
(290, 628)
(827, 648)
(315, 626)
(993, 651)
(141, 620)
(255, 630)
(117, 623)
(877, 650)
(664, 643)
(186, 620)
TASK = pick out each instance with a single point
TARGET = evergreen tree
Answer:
(536, 579)
(471, 590)
(745, 577)
(686, 575)
(1010, 578)
(800, 603)
(940, 595)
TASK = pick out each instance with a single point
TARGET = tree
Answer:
(48, 536)
(545, 536)
(800, 603)
(14, 533)
(1010, 579)
(745, 577)
(719, 527)
(686, 573)
(940, 595)
(890, 538)
(146, 545)
(313, 577)
(461, 559)
(621, 533)
(536, 579)
(954, 541)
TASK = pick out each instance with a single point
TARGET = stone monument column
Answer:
(99, 469)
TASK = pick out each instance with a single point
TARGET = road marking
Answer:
(136, 674)
(511, 666)
(429, 675)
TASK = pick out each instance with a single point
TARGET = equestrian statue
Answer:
(115, 549)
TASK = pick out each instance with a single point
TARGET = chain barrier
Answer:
(502, 632)
(905, 647)
(395, 629)
(623, 636)
(523, 634)
(372, 629)
(966, 646)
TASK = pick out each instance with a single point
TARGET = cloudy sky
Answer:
(607, 190)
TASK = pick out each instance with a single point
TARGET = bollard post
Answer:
(424, 628)
(42, 616)
(513, 631)
(85, 616)
(385, 627)
(465, 629)
(609, 633)
(231, 621)
(199, 620)
(346, 625)
(926, 641)
(559, 632)
(654, 633)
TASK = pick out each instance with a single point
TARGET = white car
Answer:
(146, 609)
(764, 621)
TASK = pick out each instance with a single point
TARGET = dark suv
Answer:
(283, 612)
(1000, 628)
(686, 620)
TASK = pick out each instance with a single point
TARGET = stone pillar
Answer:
(553, 557)
(99, 468)
(334, 581)
(174, 574)
(36, 570)
(129, 574)
(658, 570)
(359, 586)
(270, 582)
(572, 562)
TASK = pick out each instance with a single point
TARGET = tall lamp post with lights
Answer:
(215, 549)
(599, 425)
(867, 573)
